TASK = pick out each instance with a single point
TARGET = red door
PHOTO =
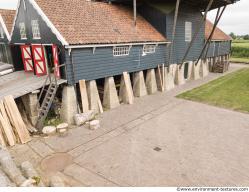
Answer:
(56, 62)
(27, 58)
(39, 60)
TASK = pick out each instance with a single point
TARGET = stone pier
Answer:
(69, 105)
(196, 70)
(93, 97)
(190, 67)
(151, 81)
(169, 78)
(204, 68)
(139, 87)
(31, 105)
(125, 93)
(111, 99)
(179, 77)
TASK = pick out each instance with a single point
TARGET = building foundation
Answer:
(151, 81)
(196, 70)
(169, 78)
(31, 105)
(111, 99)
(179, 77)
(125, 93)
(139, 87)
(204, 68)
(69, 105)
(93, 97)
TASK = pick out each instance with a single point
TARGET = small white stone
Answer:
(49, 130)
(81, 119)
(94, 124)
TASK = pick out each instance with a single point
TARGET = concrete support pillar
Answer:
(93, 97)
(196, 71)
(179, 77)
(151, 81)
(125, 93)
(139, 87)
(169, 78)
(69, 105)
(204, 68)
(190, 67)
(110, 100)
(30, 102)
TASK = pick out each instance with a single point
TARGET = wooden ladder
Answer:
(47, 101)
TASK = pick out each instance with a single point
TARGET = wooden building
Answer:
(91, 40)
(219, 48)
(6, 23)
(94, 39)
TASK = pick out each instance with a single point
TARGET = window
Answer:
(1, 33)
(121, 51)
(188, 31)
(149, 49)
(22, 31)
(35, 29)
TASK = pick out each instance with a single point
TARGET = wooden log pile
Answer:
(12, 127)
(221, 65)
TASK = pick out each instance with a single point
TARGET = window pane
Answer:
(35, 29)
(121, 51)
(22, 31)
(188, 31)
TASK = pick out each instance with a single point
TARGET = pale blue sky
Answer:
(235, 19)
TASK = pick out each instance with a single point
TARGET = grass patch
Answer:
(240, 49)
(230, 91)
(239, 60)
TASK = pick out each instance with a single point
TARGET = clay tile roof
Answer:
(88, 22)
(219, 35)
(8, 18)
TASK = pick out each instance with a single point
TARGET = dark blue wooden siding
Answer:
(186, 14)
(163, 22)
(218, 48)
(47, 36)
(102, 63)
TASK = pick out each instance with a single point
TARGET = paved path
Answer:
(158, 141)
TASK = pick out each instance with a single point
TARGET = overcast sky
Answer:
(235, 18)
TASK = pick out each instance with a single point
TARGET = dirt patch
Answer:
(56, 162)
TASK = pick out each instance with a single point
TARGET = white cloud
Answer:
(235, 18)
(8, 4)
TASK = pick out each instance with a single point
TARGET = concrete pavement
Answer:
(158, 141)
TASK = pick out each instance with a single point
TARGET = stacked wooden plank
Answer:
(221, 65)
(12, 127)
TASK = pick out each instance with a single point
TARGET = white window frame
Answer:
(119, 51)
(149, 49)
(188, 31)
(35, 29)
(22, 28)
(1, 33)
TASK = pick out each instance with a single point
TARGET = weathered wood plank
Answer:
(6, 126)
(16, 119)
(84, 97)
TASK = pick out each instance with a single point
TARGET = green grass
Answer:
(230, 91)
(239, 60)
(240, 49)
